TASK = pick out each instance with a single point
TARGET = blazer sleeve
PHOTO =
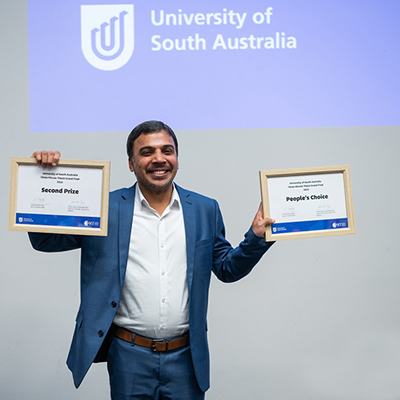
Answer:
(231, 264)
(49, 243)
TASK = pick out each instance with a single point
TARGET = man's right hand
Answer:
(47, 159)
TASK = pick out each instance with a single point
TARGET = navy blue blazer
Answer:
(103, 266)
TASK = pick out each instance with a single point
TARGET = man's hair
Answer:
(145, 128)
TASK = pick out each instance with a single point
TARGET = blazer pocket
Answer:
(204, 242)
(203, 256)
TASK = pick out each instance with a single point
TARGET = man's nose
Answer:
(158, 156)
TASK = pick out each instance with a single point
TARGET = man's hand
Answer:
(259, 222)
(47, 159)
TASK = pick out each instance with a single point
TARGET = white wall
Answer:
(317, 318)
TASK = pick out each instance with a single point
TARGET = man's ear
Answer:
(131, 166)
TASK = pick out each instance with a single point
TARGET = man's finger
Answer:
(268, 221)
(47, 159)
(44, 159)
(38, 156)
(56, 158)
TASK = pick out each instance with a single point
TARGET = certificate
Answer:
(69, 198)
(308, 202)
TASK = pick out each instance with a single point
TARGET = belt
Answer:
(154, 344)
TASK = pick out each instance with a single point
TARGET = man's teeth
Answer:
(159, 172)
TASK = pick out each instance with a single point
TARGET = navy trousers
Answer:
(139, 373)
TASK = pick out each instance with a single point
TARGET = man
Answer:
(144, 287)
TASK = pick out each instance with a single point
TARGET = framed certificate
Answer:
(307, 202)
(69, 198)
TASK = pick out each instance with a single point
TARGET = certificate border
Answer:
(102, 231)
(344, 169)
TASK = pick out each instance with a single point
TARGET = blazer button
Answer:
(100, 333)
(113, 304)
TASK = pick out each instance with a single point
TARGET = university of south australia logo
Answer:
(107, 35)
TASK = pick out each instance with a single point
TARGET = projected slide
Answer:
(107, 65)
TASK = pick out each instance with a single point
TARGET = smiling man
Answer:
(144, 287)
(153, 158)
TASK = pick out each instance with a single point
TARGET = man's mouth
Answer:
(159, 172)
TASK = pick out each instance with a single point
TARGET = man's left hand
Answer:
(259, 222)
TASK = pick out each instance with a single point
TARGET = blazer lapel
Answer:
(189, 219)
(125, 216)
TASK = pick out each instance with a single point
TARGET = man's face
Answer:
(155, 162)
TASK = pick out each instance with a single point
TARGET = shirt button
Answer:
(162, 245)
(163, 273)
(113, 304)
(100, 333)
(163, 300)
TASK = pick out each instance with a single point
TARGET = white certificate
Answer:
(308, 202)
(69, 198)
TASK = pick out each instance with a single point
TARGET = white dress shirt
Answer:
(155, 301)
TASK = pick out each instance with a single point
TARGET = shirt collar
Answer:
(174, 203)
